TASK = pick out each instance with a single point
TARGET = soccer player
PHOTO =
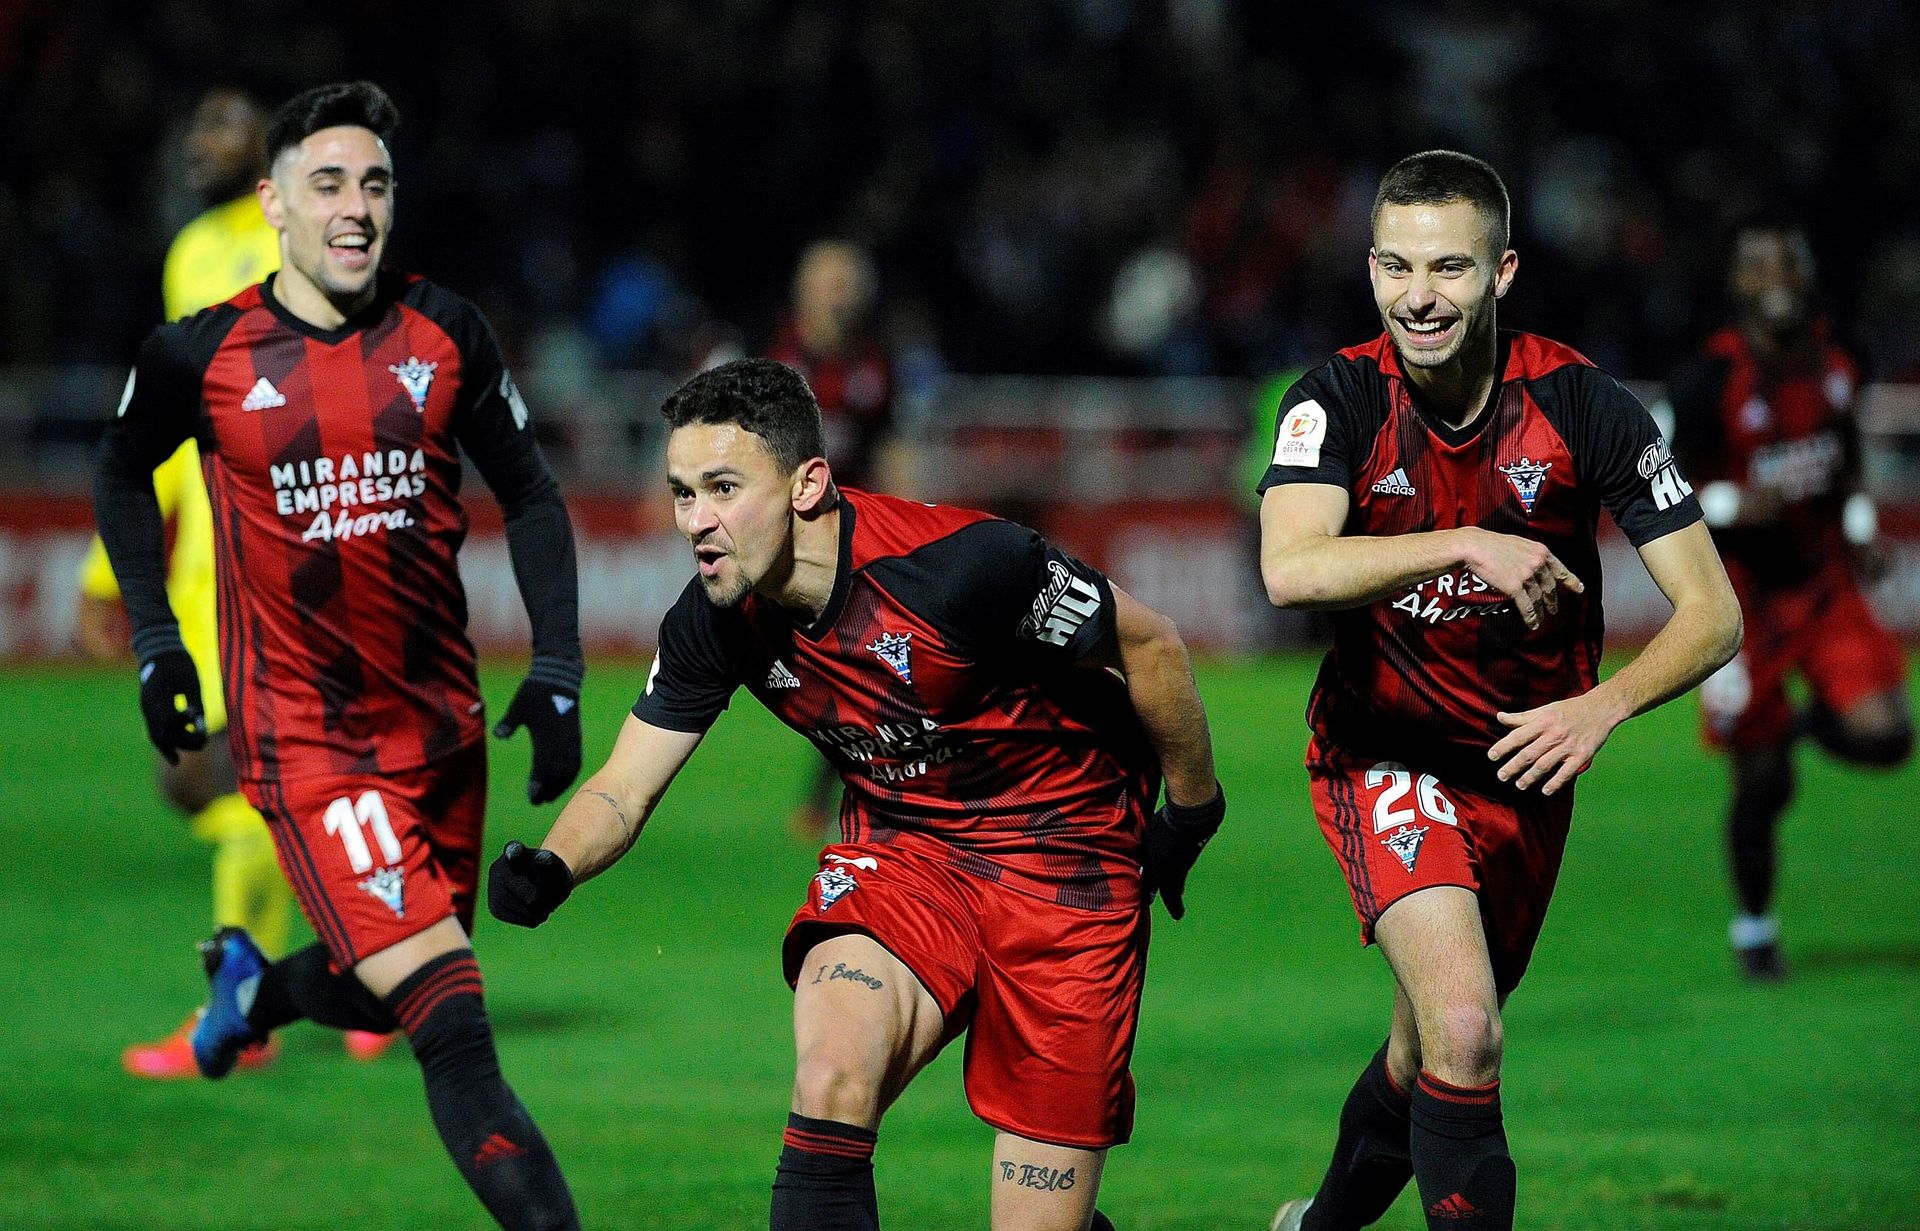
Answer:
(1001, 716)
(828, 338)
(1437, 490)
(332, 405)
(1764, 421)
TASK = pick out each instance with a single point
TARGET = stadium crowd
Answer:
(1093, 186)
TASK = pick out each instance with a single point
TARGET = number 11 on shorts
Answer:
(345, 817)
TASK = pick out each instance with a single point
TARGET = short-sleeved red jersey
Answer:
(942, 681)
(1424, 672)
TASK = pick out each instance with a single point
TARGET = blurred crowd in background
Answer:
(1085, 186)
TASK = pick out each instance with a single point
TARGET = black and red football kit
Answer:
(1789, 426)
(997, 789)
(333, 462)
(1403, 711)
(855, 392)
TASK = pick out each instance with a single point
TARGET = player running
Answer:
(1001, 716)
(1764, 420)
(1438, 490)
(332, 405)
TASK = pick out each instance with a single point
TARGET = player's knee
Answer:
(830, 1085)
(1464, 1044)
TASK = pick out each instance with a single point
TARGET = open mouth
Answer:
(1434, 332)
(709, 559)
(351, 249)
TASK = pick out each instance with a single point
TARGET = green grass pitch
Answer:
(648, 1030)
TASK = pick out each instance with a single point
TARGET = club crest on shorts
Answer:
(1405, 842)
(415, 377)
(895, 650)
(389, 885)
(1525, 475)
(834, 884)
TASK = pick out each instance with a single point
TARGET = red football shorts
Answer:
(1049, 994)
(375, 858)
(1825, 630)
(1397, 830)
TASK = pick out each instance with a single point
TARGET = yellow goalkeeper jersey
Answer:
(215, 257)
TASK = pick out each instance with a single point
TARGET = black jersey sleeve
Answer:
(692, 678)
(159, 409)
(1320, 435)
(494, 429)
(996, 589)
(1619, 454)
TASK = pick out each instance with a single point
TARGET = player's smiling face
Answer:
(331, 197)
(1435, 278)
(734, 503)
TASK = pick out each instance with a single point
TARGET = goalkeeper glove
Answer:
(548, 706)
(170, 702)
(526, 885)
(1175, 837)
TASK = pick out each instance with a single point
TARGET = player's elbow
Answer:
(1292, 585)
(1728, 627)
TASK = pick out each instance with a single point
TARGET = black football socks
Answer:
(494, 1142)
(1372, 1160)
(1460, 1157)
(825, 1178)
(303, 986)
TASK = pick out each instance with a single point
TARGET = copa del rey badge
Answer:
(1302, 431)
(416, 377)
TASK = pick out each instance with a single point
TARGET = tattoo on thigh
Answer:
(838, 971)
(1031, 1175)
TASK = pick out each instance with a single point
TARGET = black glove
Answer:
(1175, 838)
(170, 702)
(550, 712)
(525, 885)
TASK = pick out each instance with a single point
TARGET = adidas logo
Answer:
(263, 396)
(1454, 1207)
(780, 677)
(494, 1149)
(1395, 484)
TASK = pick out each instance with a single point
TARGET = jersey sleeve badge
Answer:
(1301, 434)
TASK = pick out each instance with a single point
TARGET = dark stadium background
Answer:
(624, 188)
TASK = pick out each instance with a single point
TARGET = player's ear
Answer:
(268, 193)
(1503, 272)
(811, 483)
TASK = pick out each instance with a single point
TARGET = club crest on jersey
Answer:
(388, 885)
(895, 650)
(1405, 842)
(1525, 475)
(415, 377)
(834, 885)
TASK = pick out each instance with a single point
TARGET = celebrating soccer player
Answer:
(1437, 489)
(1001, 716)
(331, 405)
(1764, 421)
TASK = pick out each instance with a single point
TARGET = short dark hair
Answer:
(361, 104)
(767, 398)
(1438, 177)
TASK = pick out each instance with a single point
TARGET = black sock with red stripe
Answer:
(494, 1142)
(1460, 1155)
(1372, 1160)
(304, 986)
(825, 1178)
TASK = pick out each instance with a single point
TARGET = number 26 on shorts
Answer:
(1388, 810)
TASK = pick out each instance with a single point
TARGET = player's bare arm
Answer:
(1308, 565)
(1555, 743)
(1149, 653)
(605, 816)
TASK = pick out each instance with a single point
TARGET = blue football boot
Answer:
(234, 966)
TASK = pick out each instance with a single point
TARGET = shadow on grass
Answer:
(571, 1017)
(1859, 957)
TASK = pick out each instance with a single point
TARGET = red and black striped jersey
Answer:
(855, 392)
(333, 461)
(1789, 426)
(944, 682)
(1424, 672)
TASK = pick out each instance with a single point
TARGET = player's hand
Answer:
(170, 702)
(1555, 743)
(1175, 837)
(526, 885)
(100, 628)
(551, 715)
(1521, 569)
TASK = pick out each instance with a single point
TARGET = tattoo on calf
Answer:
(1031, 1175)
(837, 971)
